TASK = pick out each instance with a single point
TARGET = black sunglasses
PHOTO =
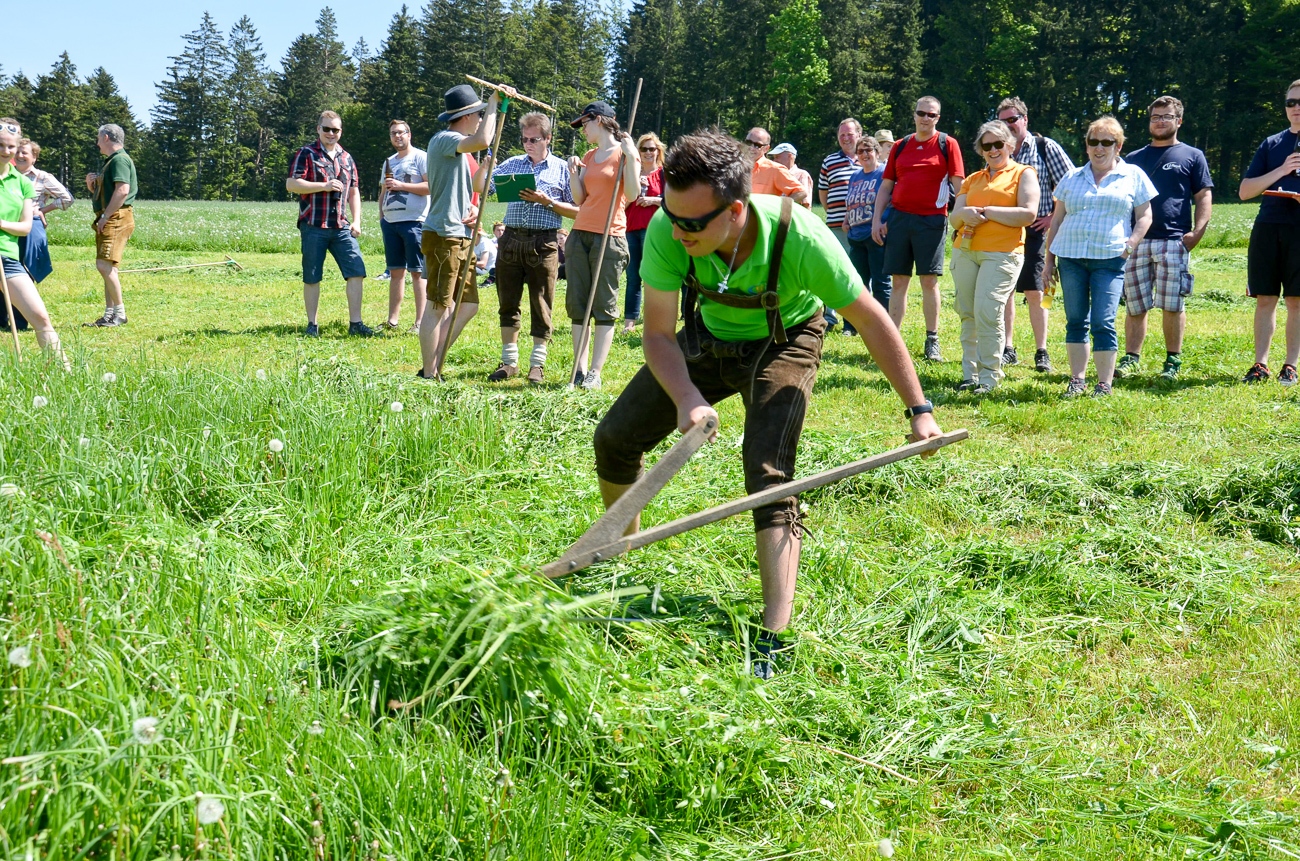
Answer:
(931, 114)
(754, 144)
(1291, 103)
(1106, 143)
(533, 140)
(331, 130)
(693, 225)
(992, 145)
(1014, 118)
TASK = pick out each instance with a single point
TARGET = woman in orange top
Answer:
(593, 179)
(990, 217)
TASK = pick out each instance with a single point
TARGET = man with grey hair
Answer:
(113, 191)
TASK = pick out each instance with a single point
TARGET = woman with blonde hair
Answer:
(639, 213)
(989, 216)
(1103, 210)
(17, 208)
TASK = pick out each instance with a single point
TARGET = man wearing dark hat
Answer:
(446, 240)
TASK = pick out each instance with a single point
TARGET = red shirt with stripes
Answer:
(313, 164)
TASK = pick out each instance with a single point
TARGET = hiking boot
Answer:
(503, 373)
(1101, 390)
(361, 330)
(1171, 368)
(591, 382)
(536, 375)
(1128, 366)
(1258, 373)
(1042, 363)
(981, 390)
(108, 320)
(1287, 376)
(1075, 388)
(966, 385)
(1009, 356)
(931, 352)
(312, 331)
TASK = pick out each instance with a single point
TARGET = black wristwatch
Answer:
(913, 412)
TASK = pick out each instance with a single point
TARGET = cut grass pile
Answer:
(236, 568)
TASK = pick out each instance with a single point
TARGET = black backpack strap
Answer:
(771, 296)
(690, 295)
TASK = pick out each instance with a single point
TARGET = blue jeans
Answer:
(869, 259)
(1090, 290)
(340, 243)
(632, 301)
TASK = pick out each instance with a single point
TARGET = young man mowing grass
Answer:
(758, 333)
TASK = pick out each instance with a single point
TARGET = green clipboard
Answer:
(509, 186)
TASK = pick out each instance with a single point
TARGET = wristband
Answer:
(913, 412)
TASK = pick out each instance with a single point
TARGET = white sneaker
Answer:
(591, 382)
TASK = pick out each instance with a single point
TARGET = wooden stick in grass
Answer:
(229, 261)
(581, 352)
(9, 308)
(748, 503)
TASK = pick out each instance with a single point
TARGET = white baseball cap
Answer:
(782, 148)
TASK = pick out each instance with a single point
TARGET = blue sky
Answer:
(154, 28)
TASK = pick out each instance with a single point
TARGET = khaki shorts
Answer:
(111, 243)
(444, 257)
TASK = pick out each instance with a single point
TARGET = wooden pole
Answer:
(497, 87)
(9, 307)
(581, 351)
(747, 503)
(470, 260)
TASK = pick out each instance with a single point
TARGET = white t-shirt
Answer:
(403, 205)
(488, 245)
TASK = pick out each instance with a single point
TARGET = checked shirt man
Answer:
(719, 241)
(528, 253)
(324, 176)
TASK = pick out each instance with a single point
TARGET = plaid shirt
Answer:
(48, 190)
(834, 180)
(313, 164)
(1058, 165)
(1099, 216)
(552, 178)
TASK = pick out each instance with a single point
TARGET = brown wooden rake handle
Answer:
(516, 96)
(746, 503)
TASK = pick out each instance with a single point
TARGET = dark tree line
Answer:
(226, 123)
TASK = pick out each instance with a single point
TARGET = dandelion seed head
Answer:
(315, 728)
(84, 441)
(209, 810)
(8, 489)
(110, 377)
(40, 401)
(207, 432)
(396, 406)
(885, 847)
(145, 730)
(261, 374)
(20, 657)
(275, 446)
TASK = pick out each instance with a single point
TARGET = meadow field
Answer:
(267, 597)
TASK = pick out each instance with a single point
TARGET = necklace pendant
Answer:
(722, 287)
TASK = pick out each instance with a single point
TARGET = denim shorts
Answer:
(338, 242)
(402, 245)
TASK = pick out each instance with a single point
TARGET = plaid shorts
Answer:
(1156, 276)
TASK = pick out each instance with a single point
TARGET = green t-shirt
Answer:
(15, 190)
(814, 270)
(118, 167)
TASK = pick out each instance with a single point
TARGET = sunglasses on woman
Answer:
(988, 145)
(693, 225)
(1093, 142)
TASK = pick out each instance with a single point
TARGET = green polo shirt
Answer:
(118, 167)
(15, 190)
(815, 270)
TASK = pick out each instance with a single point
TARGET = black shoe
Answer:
(1258, 373)
(932, 353)
(849, 330)
(1287, 376)
(361, 330)
(1009, 356)
(313, 331)
(762, 659)
(1042, 363)
(966, 385)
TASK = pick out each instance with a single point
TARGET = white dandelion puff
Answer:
(20, 657)
(396, 406)
(8, 489)
(40, 401)
(209, 810)
(827, 803)
(84, 441)
(207, 432)
(885, 847)
(315, 728)
(261, 374)
(110, 377)
(276, 446)
(145, 730)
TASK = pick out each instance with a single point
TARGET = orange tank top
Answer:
(599, 180)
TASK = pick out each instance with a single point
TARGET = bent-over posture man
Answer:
(717, 241)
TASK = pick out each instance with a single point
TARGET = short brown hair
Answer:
(1107, 123)
(536, 120)
(329, 115)
(392, 123)
(932, 100)
(1012, 102)
(36, 148)
(1167, 102)
(709, 157)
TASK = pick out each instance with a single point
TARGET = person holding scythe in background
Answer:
(762, 268)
